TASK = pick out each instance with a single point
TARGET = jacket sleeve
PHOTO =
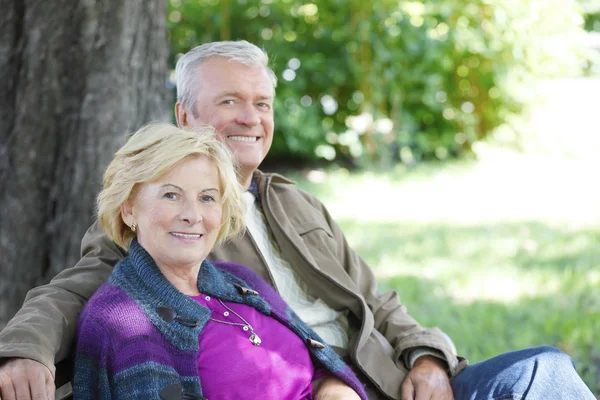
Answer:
(391, 318)
(44, 328)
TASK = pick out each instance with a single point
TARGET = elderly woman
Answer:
(169, 324)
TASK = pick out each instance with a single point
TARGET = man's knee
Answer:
(515, 373)
(551, 353)
(518, 364)
(552, 356)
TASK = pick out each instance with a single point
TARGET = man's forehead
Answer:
(214, 79)
(219, 64)
(230, 88)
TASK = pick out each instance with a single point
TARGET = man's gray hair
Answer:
(240, 51)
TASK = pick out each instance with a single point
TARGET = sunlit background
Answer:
(455, 142)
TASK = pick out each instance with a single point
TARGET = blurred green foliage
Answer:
(591, 11)
(592, 22)
(493, 283)
(381, 81)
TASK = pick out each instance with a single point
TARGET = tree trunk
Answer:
(75, 77)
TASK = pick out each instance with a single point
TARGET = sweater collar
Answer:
(139, 276)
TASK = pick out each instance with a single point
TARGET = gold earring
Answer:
(133, 227)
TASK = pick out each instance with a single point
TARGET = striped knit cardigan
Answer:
(127, 350)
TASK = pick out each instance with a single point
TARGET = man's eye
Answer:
(170, 196)
(228, 102)
(264, 105)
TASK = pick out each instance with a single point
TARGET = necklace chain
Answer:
(254, 338)
(246, 323)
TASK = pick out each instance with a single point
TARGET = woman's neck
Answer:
(185, 279)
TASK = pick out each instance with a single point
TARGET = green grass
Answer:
(499, 257)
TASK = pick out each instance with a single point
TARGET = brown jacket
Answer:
(309, 240)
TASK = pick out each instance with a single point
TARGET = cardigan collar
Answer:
(139, 276)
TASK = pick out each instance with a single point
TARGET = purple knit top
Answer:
(231, 367)
(140, 338)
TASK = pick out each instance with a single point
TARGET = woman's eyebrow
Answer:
(171, 185)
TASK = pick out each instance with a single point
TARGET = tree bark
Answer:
(75, 77)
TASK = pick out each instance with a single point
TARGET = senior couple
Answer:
(199, 285)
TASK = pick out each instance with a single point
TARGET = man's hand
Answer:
(24, 379)
(331, 388)
(427, 380)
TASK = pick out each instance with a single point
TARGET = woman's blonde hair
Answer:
(151, 153)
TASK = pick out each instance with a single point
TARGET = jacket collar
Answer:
(273, 177)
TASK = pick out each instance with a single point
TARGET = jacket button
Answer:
(245, 291)
(315, 344)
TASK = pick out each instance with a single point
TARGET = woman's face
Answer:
(178, 217)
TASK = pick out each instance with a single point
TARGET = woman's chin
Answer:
(186, 262)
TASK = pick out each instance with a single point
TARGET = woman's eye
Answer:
(207, 198)
(170, 195)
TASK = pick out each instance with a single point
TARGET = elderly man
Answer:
(294, 244)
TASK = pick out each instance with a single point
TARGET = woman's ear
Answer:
(127, 213)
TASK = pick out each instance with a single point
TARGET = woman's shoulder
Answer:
(105, 298)
(110, 308)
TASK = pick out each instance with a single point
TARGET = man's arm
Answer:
(391, 319)
(44, 328)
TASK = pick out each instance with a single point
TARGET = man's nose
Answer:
(248, 115)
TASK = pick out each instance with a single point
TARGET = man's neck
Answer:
(246, 179)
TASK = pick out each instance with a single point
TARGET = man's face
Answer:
(238, 101)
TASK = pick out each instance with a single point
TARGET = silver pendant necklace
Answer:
(254, 338)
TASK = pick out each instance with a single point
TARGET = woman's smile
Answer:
(187, 236)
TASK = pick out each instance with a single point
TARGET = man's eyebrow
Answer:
(229, 94)
(270, 98)
(238, 95)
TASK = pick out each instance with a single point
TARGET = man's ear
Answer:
(127, 213)
(181, 115)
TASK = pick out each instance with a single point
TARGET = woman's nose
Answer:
(192, 213)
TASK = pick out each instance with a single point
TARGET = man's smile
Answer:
(248, 139)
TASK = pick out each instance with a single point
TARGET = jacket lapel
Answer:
(325, 283)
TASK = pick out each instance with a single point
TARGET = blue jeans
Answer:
(543, 373)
